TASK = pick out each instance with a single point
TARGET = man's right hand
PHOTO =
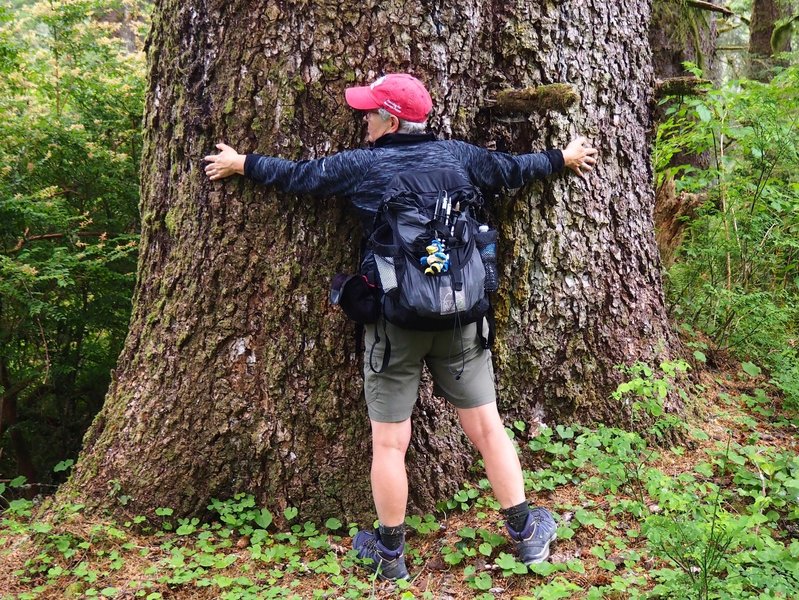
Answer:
(228, 162)
(579, 156)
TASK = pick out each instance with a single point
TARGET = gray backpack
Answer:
(423, 252)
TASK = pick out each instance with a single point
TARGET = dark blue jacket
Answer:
(362, 176)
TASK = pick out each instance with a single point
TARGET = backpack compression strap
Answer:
(486, 327)
(386, 352)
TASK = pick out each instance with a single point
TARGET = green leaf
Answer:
(453, 557)
(264, 518)
(186, 528)
(700, 356)
(565, 433)
(413, 521)
(545, 569)
(18, 481)
(506, 561)
(333, 524)
(63, 465)
(20, 506)
(331, 567)
(737, 459)
(705, 469)
(205, 560)
(751, 369)
(223, 581)
(483, 582)
(607, 565)
(565, 532)
(576, 566)
(290, 513)
(225, 561)
(585, 517)
(41, 527)
(704, 113)
(467, 533)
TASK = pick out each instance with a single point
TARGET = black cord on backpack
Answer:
(457, 327)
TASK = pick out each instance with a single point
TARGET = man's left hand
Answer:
(228, 162)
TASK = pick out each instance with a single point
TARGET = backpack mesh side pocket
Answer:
(387, 273)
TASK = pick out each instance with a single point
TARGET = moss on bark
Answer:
(558, 97)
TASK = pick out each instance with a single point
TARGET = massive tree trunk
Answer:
(679, 33)
(237, 374)
(763, 42)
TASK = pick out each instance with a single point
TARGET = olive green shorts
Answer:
(461, 369)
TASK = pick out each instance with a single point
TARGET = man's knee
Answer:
(482, 424)
(381, 446)
(391, 437)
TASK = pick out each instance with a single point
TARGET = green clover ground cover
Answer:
(714, 517)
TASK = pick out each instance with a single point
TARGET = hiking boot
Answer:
(388, 564)
(532, 542)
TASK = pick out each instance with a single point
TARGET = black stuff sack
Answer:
(359, 299)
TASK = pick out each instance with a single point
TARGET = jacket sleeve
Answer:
(494, 170)
(338, 174)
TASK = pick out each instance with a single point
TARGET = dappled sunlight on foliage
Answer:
(71, 101)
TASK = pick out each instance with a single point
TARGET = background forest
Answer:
(71, 97)
(726, 162)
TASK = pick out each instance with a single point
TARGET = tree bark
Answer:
(237, 374)
(679, 32)
(763, 44)
(673, 212)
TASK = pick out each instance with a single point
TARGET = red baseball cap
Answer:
(401, 94)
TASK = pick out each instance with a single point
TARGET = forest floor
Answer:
(713, 516)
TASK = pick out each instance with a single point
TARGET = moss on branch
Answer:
(680, 86)
(558, 97)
